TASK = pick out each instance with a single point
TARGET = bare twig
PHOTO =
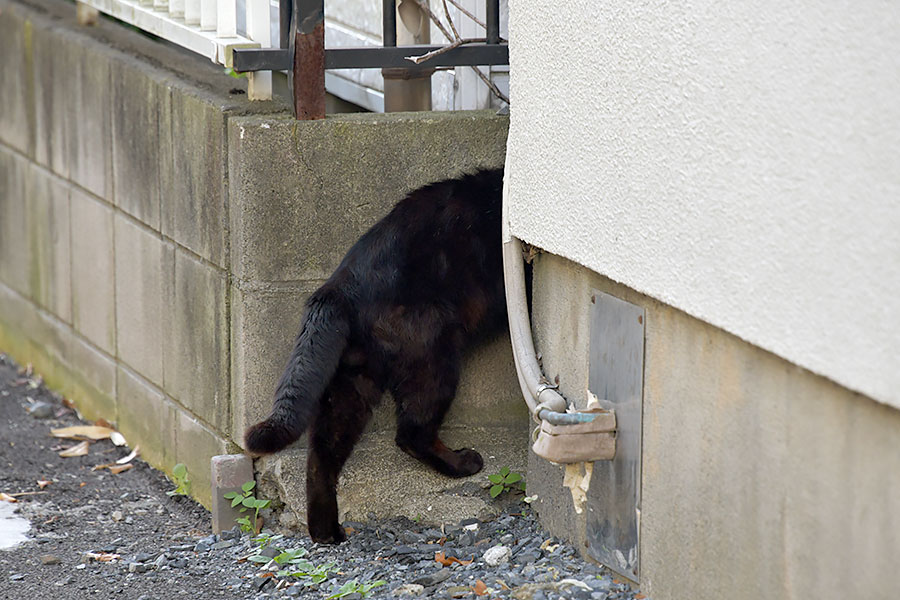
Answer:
(456, 35)
(491, 85)
(434, 18)
(429, 55)
(467, 13)
(455, 41)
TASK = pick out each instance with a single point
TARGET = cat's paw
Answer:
(329, 534)
(468, 462)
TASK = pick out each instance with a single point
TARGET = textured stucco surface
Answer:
(759, 478)
(735, 161)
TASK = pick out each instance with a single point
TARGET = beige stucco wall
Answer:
(760, 479)
(738, 161)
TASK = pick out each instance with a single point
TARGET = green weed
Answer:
(354, 587)
(182, 481)
(247, 501)
(505, 481)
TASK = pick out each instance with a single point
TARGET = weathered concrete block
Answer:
(93, 270)
(144, 273)
(92, 380)
(13, 230)
(89, 124)
(17, 100)
(195, 351)
(229, 473)
(192, 138)
(195, 445)
(53, 65)
(379, 478)
(294, 218)
(264, 323)
(135, 100)
(146, 418)
(488, 394)
(47, 226)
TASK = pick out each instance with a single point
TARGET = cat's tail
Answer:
(317, 352)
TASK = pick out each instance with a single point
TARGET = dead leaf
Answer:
(76, 450)
(480, 588)
(549, 546)
(102, 556)
(117, 438)
(130, 457)
(116, 469)
(449, 560)
(349, 531)
(92, 432)
(7, 498)
(101, 422)
(42, 483)
(103, 466)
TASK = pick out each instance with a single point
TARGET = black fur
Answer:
(396, 315)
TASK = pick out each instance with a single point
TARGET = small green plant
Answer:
(264, 539)
(292, 561)
(505, 481)
(247, 501)
(354, 587)
(182, 481)
(306, 572)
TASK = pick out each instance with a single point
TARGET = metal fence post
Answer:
(308, 72)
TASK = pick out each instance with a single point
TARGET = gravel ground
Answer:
(95, 534)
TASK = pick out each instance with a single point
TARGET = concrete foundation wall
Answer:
(760, 479)
(159, 235)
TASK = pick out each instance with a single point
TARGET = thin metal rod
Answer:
(492, 21)
(374, 57)
(389, 22)
(285, 8)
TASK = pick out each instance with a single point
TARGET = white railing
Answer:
(207, 27)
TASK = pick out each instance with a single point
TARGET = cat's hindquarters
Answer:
(312, 364)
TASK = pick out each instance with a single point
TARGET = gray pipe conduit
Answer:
(544, 402)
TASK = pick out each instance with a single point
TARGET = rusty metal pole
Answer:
(308, 74)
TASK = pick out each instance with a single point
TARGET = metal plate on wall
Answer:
(616, 377)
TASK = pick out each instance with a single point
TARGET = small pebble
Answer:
(49, 559)
(497, 555)
(41, 410)
(409, 589)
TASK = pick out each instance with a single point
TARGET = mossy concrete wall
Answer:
(159, 235)
(759, 478)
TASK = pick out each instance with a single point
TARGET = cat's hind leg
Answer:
(423, 397)
(338, 425)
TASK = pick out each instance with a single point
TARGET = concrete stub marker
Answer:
(229, 473)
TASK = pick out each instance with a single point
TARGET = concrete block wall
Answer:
(159, 235)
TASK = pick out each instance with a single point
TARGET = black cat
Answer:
(396, 315)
